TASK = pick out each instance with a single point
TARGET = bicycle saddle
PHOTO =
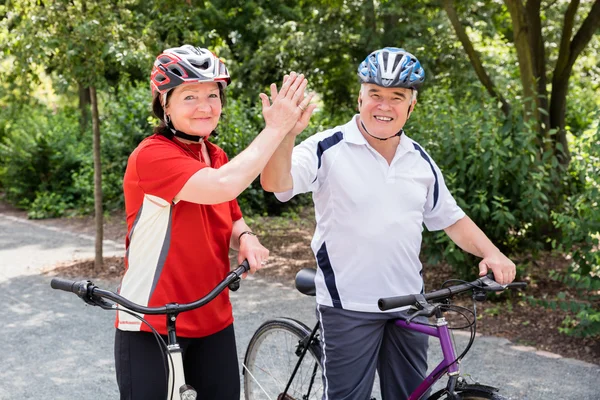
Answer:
(305, 281)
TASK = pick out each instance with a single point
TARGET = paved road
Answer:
(58, 348)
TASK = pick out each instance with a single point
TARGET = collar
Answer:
(407, 143)
(352, 134)
(214, 151)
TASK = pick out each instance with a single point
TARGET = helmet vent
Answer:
(177, 70)
(204, 65)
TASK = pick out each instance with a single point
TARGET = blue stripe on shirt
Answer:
(436, 187)
(326, 144)
(325, 266)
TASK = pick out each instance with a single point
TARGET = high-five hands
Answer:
(306, 107)
(291, 110)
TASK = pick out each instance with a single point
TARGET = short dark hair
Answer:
(159, 112)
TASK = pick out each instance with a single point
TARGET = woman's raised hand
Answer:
(287, 107)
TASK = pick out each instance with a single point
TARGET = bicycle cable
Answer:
(459, 281)
(460, 310)
(160, 341)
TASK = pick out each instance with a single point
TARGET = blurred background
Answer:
(509, 109)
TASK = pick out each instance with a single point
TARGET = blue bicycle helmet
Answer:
(392, 67)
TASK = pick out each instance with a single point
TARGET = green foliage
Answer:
(491, 167)
(38, 154)
(49, 205)
(46, 164)
(579, 222)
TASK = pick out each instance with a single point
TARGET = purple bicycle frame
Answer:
(443, 333)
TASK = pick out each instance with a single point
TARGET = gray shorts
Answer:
(355, 344)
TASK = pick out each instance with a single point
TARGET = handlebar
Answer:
(486, 283)
(92, 294)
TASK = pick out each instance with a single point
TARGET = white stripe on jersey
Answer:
(144, 256)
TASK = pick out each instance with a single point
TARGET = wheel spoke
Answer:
(271, 359)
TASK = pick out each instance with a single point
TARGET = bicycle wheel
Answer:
(271, 357)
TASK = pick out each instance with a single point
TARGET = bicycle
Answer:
(283, 358)
(95, 296)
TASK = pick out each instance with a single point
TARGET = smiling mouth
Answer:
(383, 119)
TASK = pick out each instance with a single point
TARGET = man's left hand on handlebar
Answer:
(503, 268)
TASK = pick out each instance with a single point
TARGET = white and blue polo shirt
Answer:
(369, 214)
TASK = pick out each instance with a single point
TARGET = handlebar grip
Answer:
(63, 284)
(394, 302)
(246, 265)
(517, 285)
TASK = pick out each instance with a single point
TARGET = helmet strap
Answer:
(378, 138)
(180, 134)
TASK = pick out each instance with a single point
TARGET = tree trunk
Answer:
(538, 57)
(568, 53)
(84, 108)
(522, 45)
(474, 56)
(98, 213)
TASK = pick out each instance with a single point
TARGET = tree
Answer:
(527, 35)
(81, 43)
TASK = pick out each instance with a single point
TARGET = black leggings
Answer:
(210, 365)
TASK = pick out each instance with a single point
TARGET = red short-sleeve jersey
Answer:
(176, 251)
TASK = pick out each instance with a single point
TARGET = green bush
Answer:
(579, 223)
(49, 205)
(491, 167)
(46, 163)
(38, 154)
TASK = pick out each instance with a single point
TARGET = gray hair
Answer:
(412, 99)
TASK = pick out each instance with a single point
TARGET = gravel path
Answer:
(59, 348)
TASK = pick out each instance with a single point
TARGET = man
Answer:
(373, 188)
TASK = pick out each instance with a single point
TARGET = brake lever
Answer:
(420, 308)
(491, 285)
(85, 293)
(100, 302)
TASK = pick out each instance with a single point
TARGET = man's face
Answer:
(384, 111)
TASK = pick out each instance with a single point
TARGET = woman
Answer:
(182, 218)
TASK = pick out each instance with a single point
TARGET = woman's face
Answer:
(195, 108)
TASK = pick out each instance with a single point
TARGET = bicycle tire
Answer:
(270, 360)
(470, 394)
(477, 395)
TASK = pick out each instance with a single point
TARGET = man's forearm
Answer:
(467, 235)
(276, 176)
